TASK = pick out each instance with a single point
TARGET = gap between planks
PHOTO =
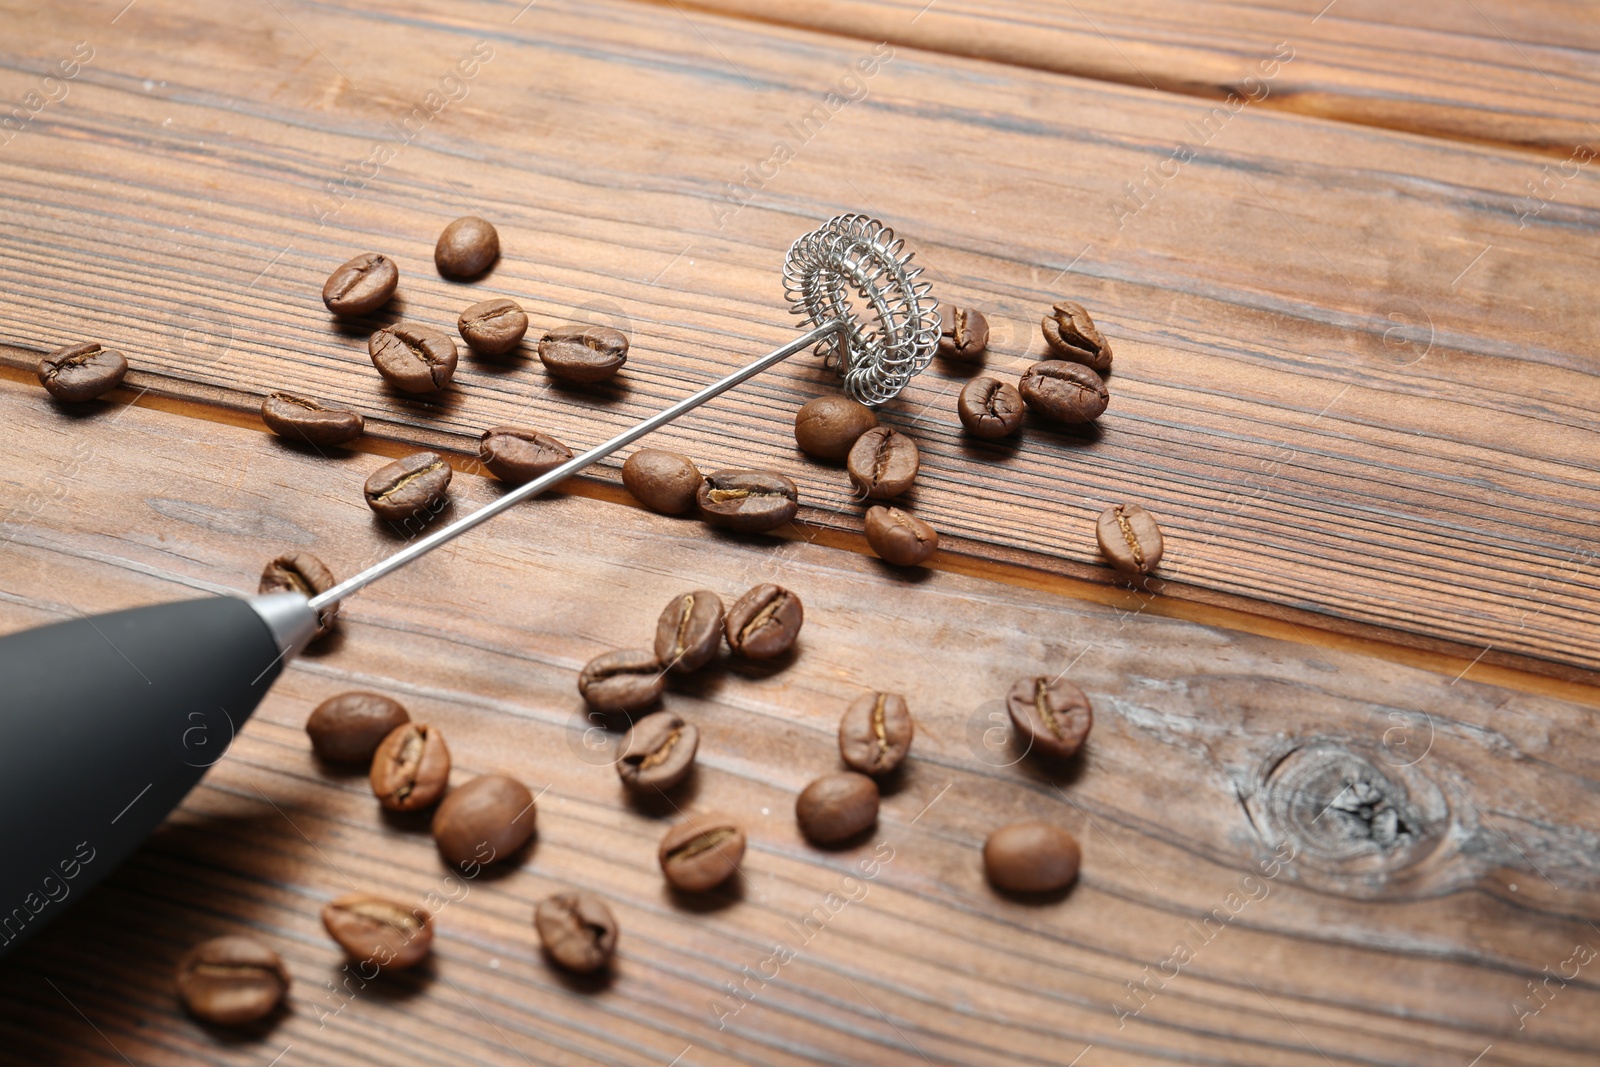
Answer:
(1450, 664)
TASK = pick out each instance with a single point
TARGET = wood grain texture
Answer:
(1399, 939)
(1510, 73)
(1354, 375)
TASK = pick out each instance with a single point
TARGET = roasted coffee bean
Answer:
(1129, 538)
(1053, 717)
(484, 821)
(622, 682)
(376, 930)
(362, 285)
(658, 752)
(301, 419)
(701, 852)
(411, 767)
(1072, 335)
(1065, 392)
(577, 930)
(690, 631)
(764, 622)
(231, 980)
(899, 538)
(990, 408)
(827, 426)
(493, 326)
(516, 455)
(303, 573)
(397, 491)
(584, 353)
(875, 733)
(349, 728)
(466, 248)
(413, 358)
(964, 335)
(748, 501)
(1031, 857)
(836, 807)
(883, 463)
(662, 481)
(76, 373)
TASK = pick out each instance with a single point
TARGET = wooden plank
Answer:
(1506, 73)
(1210, 750)
(1274, 401)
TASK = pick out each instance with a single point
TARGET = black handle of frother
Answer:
(105, 724)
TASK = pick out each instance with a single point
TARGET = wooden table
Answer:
(1342, 799)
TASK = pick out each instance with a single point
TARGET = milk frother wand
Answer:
(106, 723)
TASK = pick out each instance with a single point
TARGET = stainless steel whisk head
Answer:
(854, 255)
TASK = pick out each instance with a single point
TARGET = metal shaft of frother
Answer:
(566, 470)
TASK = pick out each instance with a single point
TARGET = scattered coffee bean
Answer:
(748, 501)
(1053, 717)
(836, 807)
(764, 622)
(900, 538)
(990, 408)
(622, 682)
(76, 373)
(516, 455)
(701, 852)
(466, 248)
(413, 358)
(397, 491)
(484, 821)
(493, 326)
(662, 481)
(965, 335)
(1072, 335)
(1031, 857)
(231, 980)
(827, 426)
(303, 573)
(577, 930)
(883, 463)
(301, 419)
(584, 353)
(362, 285)
(875, 733)
(376, 930)
(1129, 538)
(658, 752)
(411, 767)
(1065, 392)
(349, 728)
(689, 631)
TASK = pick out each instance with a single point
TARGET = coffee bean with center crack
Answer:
(466, 247)
(577, 930)
(303, 573)
(883, 463)
(658, 752)
(701, 852)
(748, 501)
(584, 353)
(1130, 539)
(689, 631)
(900, 538)
(1052, 715)
(516, 455)
(990, 408)
(411, 767)
(361, 286)
(231, 980)
(621, 682)
(377, 930)
(1065, 392)
(408, 486)
(76, 373)
(493, 326)
(875, 733)
(964, 335)
(299, 418)
(764, 623)
(1071, 334)
(413, 358)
